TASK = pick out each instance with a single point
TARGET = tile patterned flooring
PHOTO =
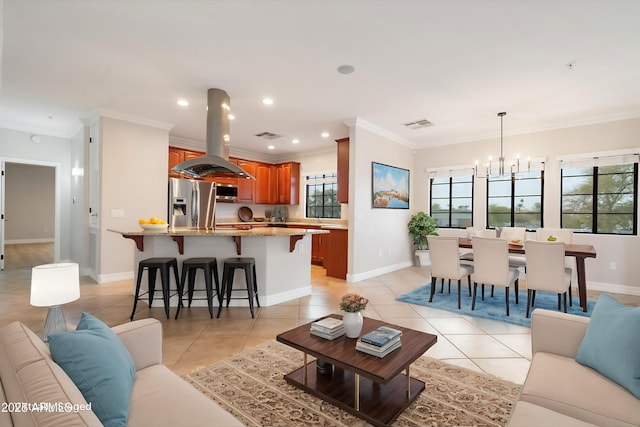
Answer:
(195, 340)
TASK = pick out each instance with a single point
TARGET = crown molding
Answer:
(135, 119)
(358, 122)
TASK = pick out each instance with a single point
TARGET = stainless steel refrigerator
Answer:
(192, 203)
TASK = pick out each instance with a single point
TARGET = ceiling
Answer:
(456, 63)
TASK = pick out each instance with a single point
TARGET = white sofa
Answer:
(558, 391)
(28, 375)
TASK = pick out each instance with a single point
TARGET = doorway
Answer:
(28, 204)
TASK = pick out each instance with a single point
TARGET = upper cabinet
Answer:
(266, 184)
(288, 177)
(274, 184)
(343, 170)
(246, 187)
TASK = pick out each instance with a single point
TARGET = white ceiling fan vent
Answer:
(417, 124)
(268, 135)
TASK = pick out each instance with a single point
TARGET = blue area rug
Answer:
(492, 307)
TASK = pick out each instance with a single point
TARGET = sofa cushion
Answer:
(161, 398)
(611, 344)
(563, 385)
(29, 375)
(526, 414)
(100, 365)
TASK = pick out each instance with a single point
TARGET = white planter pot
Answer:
(424, 258)
(352, 323)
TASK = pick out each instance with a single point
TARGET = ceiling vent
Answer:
(417, 124)
(268, 135)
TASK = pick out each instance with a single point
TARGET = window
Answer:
(452, 201)
(600, 199)
(516, 200)
(322, 196)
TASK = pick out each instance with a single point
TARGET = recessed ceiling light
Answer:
(231, 116)
(271, 147)
(295, 141)
(346, 69)
(267, 101)
(183, 102)
(325, 134)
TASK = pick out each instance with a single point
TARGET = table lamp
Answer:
(51, 286)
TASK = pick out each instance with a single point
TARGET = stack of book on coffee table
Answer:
(328, 328)
(379, 342)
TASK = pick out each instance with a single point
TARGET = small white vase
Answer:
(352, 323)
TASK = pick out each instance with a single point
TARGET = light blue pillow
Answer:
(611, 344)
(100, 365)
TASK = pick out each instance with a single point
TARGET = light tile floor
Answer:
(195, 340)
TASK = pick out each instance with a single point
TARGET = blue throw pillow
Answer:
(611, 344)
(100, 365)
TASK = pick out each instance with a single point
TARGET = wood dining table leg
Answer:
(582, 282)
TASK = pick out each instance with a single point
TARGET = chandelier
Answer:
(489, 168)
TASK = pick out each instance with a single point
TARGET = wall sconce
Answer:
(51, 286)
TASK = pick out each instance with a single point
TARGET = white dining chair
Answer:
(513, 234)
(565, 236)
(546, 271)
(491, 267)
(467, 256)
(445, 263)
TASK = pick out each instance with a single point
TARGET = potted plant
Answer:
(352, 306)
(420, 226)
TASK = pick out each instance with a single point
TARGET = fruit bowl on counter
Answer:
(153, 223)
(155, 227)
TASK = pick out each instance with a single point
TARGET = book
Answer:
(328, 324)
(328, 336)
(381, 336)
(364, 345)
(380, 354)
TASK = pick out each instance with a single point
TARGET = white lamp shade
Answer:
(54, 284)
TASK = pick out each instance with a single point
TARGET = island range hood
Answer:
(216, 160)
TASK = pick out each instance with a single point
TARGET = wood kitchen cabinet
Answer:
(343, 170)
(317, 249)
(288, 183)
(335, 253)
(179, 155)
(266, 184)
(246, 187)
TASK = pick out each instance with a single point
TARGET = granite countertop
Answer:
(222, 231)
(310, 225)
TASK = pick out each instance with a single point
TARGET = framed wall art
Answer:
(389, 187)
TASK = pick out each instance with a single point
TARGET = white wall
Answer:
(378, 238)
(597, 138)
(134, 181)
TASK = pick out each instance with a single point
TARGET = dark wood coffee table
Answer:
(372, 388)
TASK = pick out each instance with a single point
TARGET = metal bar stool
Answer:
(209, 268)
(249, 267)
(152, 265)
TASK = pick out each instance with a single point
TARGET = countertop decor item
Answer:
(352, 306)
(245, 214)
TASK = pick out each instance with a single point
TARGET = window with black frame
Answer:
(451, 201)
(516, 200)
(601, 198)
(322, 196)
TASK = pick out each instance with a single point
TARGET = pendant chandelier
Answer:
(513, 166)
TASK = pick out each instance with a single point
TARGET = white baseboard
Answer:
(378, 272)
(27, 241)
(116, 277)
(612, 288)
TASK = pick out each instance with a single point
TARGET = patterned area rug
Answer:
(250, 385)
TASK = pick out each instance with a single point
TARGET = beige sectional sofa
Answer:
(559, 391)
(30, 380)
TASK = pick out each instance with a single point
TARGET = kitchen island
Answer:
(283, 256)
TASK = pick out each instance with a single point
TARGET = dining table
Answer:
(579, 252)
